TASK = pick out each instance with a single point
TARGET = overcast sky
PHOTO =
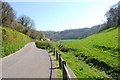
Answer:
(61, 15)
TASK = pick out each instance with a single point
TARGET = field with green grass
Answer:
(12, 41)
(95, 56)
(67, 41)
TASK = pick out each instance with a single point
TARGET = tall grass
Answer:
(81, 69)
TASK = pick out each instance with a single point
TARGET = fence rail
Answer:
(63, 66)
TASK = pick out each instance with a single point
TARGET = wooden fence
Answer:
(62, 65)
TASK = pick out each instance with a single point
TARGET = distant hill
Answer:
(72, 33)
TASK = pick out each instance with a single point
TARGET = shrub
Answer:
(44, 44)
(63, 48)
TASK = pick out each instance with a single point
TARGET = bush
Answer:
(63, 48)
(44, 44)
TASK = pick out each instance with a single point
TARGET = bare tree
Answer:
(8, 14)
(113, 15)
(26, 21)
(118, 13)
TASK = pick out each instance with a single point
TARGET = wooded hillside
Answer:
(72, 33)
(23, 24)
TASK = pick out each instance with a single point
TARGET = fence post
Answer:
(60, 62)
(56, 55)
(64, 71)
(54, 51)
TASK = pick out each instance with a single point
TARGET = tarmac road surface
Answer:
(28, 62)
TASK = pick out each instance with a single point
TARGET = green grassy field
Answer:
(99, 46)
(67, 41)
(94, 56)
(12, 41)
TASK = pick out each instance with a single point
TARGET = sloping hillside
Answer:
(12, 41)
(99, 51)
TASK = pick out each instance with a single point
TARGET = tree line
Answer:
(23, 24)
(72, 33)
(26, 25)
(112, 16)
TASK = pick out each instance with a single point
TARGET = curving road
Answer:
(29, 62)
